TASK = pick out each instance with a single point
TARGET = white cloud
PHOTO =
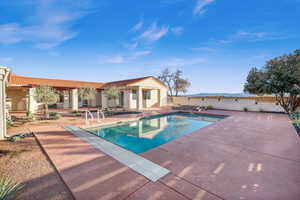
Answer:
(199, 8)
(154, 32)
(5, 59)
(130, 45)
(142, 53)
(124, 58)
(181, 62)
(50, 24)
(252, 36)
(138, 26)
(10, 33)
(208, 49)
(177, 30)
(114, 59)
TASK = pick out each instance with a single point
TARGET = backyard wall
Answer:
(231, 103)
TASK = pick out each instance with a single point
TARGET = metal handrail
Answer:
(87, 112)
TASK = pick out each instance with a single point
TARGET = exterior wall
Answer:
(16, 99)
(230, 103)
(154, 100)
(153, 84)
(163, 97)
(132, 102)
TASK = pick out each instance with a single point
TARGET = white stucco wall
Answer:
(229, 104)
(132, 103)
(153, 84)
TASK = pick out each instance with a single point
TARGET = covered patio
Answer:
(134, 94)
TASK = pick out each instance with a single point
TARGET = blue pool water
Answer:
(148, 133)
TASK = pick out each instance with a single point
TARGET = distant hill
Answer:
(223, 95)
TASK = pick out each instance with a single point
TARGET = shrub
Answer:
(8, 188)
(246, 110)
(54, 115)
(30, 115)
(9, 123)
(209, 107)
(15, 138)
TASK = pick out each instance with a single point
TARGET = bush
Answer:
(9, 123)
(246, 110)
(54, 115)
(15, 138)
(30, 115)
(8, 188)
(209, 107)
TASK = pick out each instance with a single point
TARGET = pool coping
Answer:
(142, 166)
(152, 115)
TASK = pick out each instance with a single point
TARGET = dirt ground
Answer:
(25, 162)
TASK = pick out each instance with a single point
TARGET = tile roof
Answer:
(129, 82)
(16, 80)
(30, 81)
(125, 82)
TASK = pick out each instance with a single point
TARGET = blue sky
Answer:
(214, 42)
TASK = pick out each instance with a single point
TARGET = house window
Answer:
(134, 95)
(147, 94)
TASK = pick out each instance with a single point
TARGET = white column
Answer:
(32, 104)
(94, 100)
(103, 99)
(127, 99)
(66, 103)
(4, 73)
(74, 94)
(139, 98)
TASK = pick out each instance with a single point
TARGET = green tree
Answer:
(180, 84)
(86, 93)
(167, 77)
(112, 93)
(175, 82)
(280, 77)
(46, 95)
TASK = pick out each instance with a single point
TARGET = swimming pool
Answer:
(150, 132)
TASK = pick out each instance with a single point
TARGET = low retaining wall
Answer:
(267, 104)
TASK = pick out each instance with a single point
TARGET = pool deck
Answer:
(245, 156)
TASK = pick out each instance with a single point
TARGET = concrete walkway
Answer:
(245, 156)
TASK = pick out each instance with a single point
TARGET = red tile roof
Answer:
(16, 80)
(129, 82)
(29, 81)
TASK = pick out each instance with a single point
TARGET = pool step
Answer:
(137, 163)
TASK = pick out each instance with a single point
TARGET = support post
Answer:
(66, 103)
(75, 99)
(139, 98)
(4, 74)
(104, 100)
(32, 104)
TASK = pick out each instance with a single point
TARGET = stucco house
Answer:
(135, 94)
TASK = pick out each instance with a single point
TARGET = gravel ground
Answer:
(25, 162)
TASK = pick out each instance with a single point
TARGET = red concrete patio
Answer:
(245, 156)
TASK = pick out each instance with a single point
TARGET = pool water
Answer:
(148, 133)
